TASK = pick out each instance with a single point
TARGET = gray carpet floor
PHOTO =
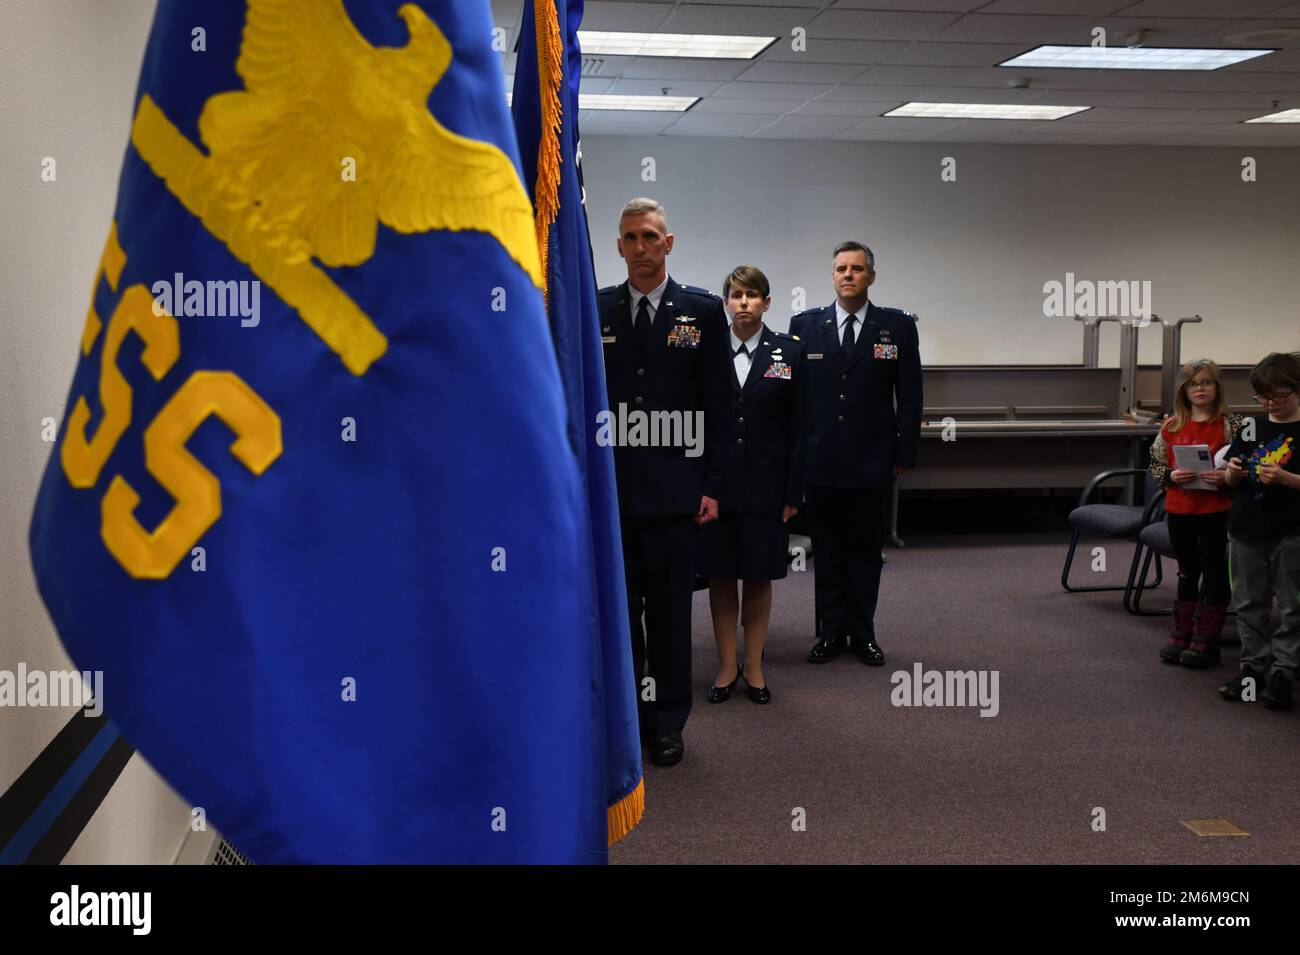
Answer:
(1088, 718)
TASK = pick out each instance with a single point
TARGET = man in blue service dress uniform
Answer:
(864, 373)
(666, 372)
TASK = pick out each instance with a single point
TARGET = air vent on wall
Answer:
(227, 854)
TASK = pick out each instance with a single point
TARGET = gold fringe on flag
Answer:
(550, 74)
(626, 813)
(623, 816)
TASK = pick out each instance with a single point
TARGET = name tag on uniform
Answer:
(813, 356)
(608, 339)
(778, 369)
(684, 336)
(885, 351)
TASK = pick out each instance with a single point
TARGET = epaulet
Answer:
(901, 313)
(696, 290)
(607, 290)
(808, 311)
(786, 335)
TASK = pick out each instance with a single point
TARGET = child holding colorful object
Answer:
(1264, 531)
(1197, 503)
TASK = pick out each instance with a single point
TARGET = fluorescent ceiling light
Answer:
(676, 104)
(601, 43)
(1130, 58)
(983, 111)
(1286, 116)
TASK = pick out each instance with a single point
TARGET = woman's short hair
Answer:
(746, 276)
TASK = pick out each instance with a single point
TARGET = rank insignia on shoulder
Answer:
(795, 337)
(778, 369)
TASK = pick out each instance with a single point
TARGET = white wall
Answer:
(68, 71)
(971, 257)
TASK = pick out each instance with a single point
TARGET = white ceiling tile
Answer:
(608, 122)
(595, 84)
(914, 75)
(1114, 114)
(1035, 138)
(635, 87)
(876, 136)
(1170, 99)
(773, 90)
(827, 107)
(825, 50)
(1057, 79)
(1087, 8)
(955, 54)
(865, 57)
(1228, 80)
(864, 93)
(1014, 28)
(916, 126)
(623, 17)
(678, 68)
(1261, 102)
(1093, 129)
(742, 20)
(805, 127)
(999, 97)
(716, 124)
(1200, 8)
(1220, 117)
(800, 73)
(863, 25)
(1162, 32)
(714, 104)
(938, 6)
(1078, 97)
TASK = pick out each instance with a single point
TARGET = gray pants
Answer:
(1261, 571)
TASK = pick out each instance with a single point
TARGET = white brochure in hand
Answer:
(1194, 457)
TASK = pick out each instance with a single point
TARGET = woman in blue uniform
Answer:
(763, 483)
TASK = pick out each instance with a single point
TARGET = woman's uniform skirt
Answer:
(746, 545)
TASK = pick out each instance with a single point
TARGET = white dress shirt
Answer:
(743, 362)
(860, 315)
(656, 296)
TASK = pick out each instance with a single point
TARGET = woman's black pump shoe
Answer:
(720, 694)
(759, 694)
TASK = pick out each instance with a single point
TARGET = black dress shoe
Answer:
(720, 694)
(759, 694)
(666, 749)
(824, 651)
(868, 652)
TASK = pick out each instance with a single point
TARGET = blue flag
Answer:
(314, 510)
(545, 108)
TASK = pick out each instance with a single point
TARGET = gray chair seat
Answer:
(1108, 520)
(1116, 522)
(1156, 537)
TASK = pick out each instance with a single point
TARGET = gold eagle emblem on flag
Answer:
(320, 100)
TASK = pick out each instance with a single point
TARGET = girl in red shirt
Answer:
(1198, 518)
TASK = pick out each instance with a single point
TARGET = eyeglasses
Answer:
(1201, 385)
(1276, 397)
